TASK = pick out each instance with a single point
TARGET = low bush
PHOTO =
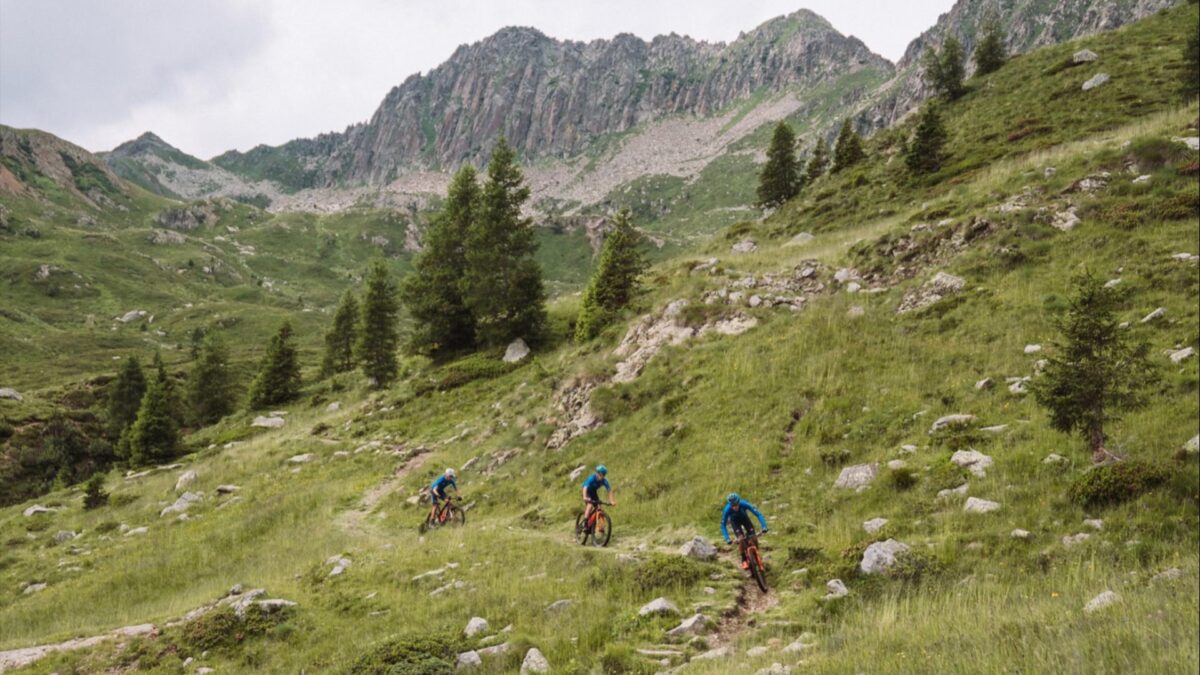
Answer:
(410, 655)
(901, 479)
(663, 571)
(1117, 482)
(222, 627)
(463, 371)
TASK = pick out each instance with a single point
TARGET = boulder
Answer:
(659, 607)
(881, 556)
(182, 504)
(499, 650)
(516, 352)
(897, 464)
(63, 536)
(1192, 142)
(131, 315)
(950, 421)
(950, 493)
(834, 589)
(1144, 178)
(475, 626)
(302, 459)
(699, 549)
(1075, 539)
(467, 660)
(745, 246)
(696, 624)
(334, 407)
(1181, 355)
(577, 472)
(267, 422)
(802, 644)
(874, 525)
(535, 662)
(977, 505)
(1019, 386)
(800, 239)
(34, 588)
(36, 509)
(1020, 534)
(1171, 574)
(1084, 56)
(1094, 523)
(755, 652)
(1101, 601)
(1055, 458)
(1193, 446)
(857, 477)
(972, 460)
(136, 531)
(985, 384)
(1032, 349)
(558, 606)
(713, 654)
(1155, 315)
(11, 394)
(185, 480)
(1095, 81)
(340, 565)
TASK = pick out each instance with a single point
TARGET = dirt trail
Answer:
(355, 520)
(751, 602)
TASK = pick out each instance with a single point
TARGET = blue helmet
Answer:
(734, 498)
(602, 470)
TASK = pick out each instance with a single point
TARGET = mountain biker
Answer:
(737, 512)
(591, 491)
(437, 490)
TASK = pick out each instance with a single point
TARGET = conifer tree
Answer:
(174, 403)
(1097, 370)
(433, 292)
(502, 284)
(94, 495)
(848, 151)
(615, 281)
(278, 379)
(340, 340)
(154, 435)
(378, 334)
(780, 177)
(1191, 65)
(125, 397)
(944, 69)
(924, 153)
(990, 53)
(816, 163)
(210, 387)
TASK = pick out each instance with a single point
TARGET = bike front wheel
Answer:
(757, 570)
(457, 517)
(602, 531)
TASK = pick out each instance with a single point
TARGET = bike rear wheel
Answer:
(602, 531)
(756, 569)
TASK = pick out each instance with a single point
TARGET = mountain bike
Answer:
(598, 526)
(449, 513)
(748, 547)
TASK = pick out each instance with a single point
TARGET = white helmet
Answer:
(451, 473)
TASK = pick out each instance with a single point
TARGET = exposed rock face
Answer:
(881, 556)
(36, 153)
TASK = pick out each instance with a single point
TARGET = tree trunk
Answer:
(1100, 454)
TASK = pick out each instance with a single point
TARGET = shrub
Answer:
(94, 495)
(464, 371)
(663, 571)
(1155, 152)
(1116, 482)
(835, 457)
(410, 655)
(106, 527)
(901, 479)
(224, 628)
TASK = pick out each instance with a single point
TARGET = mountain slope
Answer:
(152, 163)
(774, 400)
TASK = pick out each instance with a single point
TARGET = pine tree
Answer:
(340, 340)
(433, 292)
(94, 495)
(378, 335)
(1097, 370)
(944, 70)
(848, 151)
(154, 435)
(502, 284)
(160, 373)
(816, 163)
(615, 281)
(278, 379)
(990, 53)
(924, 152)
(125, 396)
(197, 338)
(210, 388)
(780, 177)
(1191, 68)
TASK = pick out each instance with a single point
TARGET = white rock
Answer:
(1145, 178)
(696, 624)
(334, 407)
(475, 626)
(1020, 534)
(1101, 601)
(1167, 575)
(63, 536)
(972, 460)
(985, 384)
(745, 246)
(498, 650)
(855, 312)
(33, 588)
(896, 464)
(995, 429)
(267, 422)
(185, 480)
(577, 472)
(36, 509)
(799, 239)
(1155, 315)
(977, 505)
(1094, 523)
(853, 287)
(834, 588)
(1084, 56)
(874, 525)
(535, 662)
(182, 504)
(755, 652)
(136, 531)
(881, 556)
(1192, 446)
(1192, 142)
(699, 549)
(798, 646)
(657, 607)
(908, 449)
(1097, 80)
(857, 477)
(1112, 283)
(131, 315)
(1032, 349)
(1182, 355)
(714, 654)
(1072, 540)
(516, 351)
(558, 606)
(1019, 386)
(845, 274)
(1055, 458)
(467, 660)
(948, 421)
(302, 459)
(954, 492)
(11, 394)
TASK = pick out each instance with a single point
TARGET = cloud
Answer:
(219, 74)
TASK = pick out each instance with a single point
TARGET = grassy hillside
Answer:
(775, 413)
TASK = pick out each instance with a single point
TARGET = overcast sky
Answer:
(213, 75)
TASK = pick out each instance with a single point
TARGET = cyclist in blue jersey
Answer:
(437, 490)
(737, 512)
(591, 491)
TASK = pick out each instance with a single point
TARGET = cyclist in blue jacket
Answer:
(737, 512)
(437, 490)
(591, 491)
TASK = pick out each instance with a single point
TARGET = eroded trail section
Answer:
(355, 519)
(17, 658)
